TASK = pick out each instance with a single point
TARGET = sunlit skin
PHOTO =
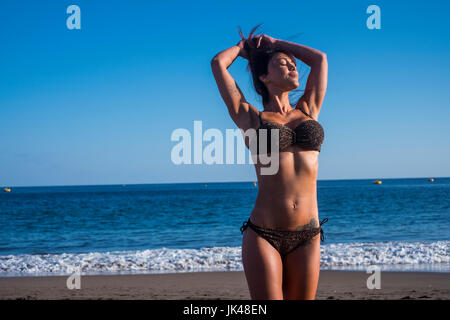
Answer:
(286, 200)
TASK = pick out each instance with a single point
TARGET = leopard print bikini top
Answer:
(308, 134)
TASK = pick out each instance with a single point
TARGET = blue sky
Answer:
(98, 105)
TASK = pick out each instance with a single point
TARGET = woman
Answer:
(281, 243)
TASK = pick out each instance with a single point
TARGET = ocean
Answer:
(399, 225)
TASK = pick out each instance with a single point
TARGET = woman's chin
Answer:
(293, 85)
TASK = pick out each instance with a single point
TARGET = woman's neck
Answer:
(279, 104)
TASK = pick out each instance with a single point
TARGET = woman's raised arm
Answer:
(316, 85)
(237, 105)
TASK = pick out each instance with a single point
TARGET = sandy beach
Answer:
(338, 285)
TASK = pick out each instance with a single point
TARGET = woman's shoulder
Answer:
(248, 118)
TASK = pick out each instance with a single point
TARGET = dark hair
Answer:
(258, 62)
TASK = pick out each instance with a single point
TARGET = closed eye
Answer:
(284, 62)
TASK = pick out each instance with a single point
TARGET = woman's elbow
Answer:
(320, 59)
(216, 63)
(215, 60)
(322, 56)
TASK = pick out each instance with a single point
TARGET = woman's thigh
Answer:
(262, 266)
(301, 269)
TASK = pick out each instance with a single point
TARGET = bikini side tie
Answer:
(322, 237)
(244, 226)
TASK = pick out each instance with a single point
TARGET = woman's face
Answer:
(282, 72)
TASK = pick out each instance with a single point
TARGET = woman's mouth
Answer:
(293, 74)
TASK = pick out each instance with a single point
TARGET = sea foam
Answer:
(401, 256)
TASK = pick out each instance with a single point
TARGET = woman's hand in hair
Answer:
(248, 42)
(255, 42)
(242, 53)
(264, 41)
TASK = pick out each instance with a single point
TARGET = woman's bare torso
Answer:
(288, 198)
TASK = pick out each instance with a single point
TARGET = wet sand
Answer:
(223, 285)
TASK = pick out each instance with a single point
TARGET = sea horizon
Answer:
(184, 182)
